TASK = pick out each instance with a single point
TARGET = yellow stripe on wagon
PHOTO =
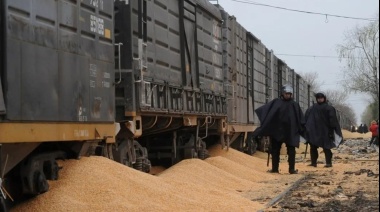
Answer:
(46, 132)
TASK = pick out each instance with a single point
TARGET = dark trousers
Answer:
(373, 139)
(275, 151)
(314, 154)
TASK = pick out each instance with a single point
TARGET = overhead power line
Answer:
(317, 56)
(302, 11)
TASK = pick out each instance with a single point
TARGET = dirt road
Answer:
(352, 184)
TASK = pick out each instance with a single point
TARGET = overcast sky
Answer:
(287, 32)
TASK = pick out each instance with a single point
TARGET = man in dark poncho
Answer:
(353, 129)
(360, 129)
(322, 129)
(365, 128)
(282, 120)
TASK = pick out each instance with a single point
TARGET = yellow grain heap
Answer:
(228, 181)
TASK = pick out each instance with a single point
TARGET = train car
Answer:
(170, 91)
(57, 94)
(253, 77)
(238, 68)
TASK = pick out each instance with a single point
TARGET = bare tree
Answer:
(311, 79)
(336, 97)
(348, 113)
(367, 116)
(371, 113)
(338, 100)
(361, 53)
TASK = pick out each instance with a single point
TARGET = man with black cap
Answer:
(322, 129)
(282, 120)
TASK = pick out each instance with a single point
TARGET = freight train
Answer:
(140, 82)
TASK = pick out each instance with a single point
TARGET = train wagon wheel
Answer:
(146, 166)
(251, 145)
(138, 165)
(143, 165)
(202, 152)
(40, 183)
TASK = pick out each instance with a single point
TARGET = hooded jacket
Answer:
(282, 120)
(321, 124)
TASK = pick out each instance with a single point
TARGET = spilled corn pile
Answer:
(228, 180)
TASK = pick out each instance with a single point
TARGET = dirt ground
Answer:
(352, 184)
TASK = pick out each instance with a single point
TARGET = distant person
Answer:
(353, 128)
(360, 129)
(377, 139)
(374, 130)
(365, 128)
(321, 125)
(282, 120)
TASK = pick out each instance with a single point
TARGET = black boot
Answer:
(275, 163)
(275, 152)
(313, 155)
(273, 171)
(292, 160)
(328, 155)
